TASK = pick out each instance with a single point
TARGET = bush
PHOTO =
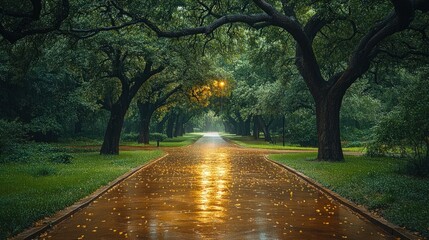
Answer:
(354, 144)
(11, 133)
(43, 171)
(376, 149)
(418, 167)
(130, 137)
(31, 153)
(63, 158)
(157, 137)
(405, 130)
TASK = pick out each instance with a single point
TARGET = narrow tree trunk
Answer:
(241, 126)
(328, 128)
(255, 128)
(247, 126)
(113, 131)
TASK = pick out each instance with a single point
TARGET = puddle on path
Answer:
(213, 190)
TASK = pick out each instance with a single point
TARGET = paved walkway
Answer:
(214, 190)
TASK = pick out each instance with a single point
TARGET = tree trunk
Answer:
(170, 125)
(178, 130)
(113, 131)
(247, 126)
(265, 128)
(232, 125)
(145, 111)
(255, 128)
(328, 128)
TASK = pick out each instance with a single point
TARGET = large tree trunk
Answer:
(145, 111)
(178, 130)
(113, 131)
(170, 125)
(144, 129)
(328, 128)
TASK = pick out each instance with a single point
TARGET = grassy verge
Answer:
(30, 191)
(372, 182)
(181, 141)
(248, 141)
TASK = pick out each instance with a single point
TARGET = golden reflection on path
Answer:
(212, 196)
(213, 190)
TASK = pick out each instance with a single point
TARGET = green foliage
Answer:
(157, 137)
(301, 127)
(63, 158)
(11, 133)
(43, 171)
(359, 112)
(418, 167)
(130, 137)
(372, 182)
(34, 153)
(405, 130)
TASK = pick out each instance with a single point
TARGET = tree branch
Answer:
(19, 32)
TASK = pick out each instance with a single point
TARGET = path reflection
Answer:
(213, 190)
(213, 178)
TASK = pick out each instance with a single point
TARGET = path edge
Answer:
(35, 231)
(389, 227)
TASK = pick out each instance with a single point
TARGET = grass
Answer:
(250, 142)
(181, 141)
(31, 191)
(373, 182)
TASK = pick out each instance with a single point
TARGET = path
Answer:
(214, 190)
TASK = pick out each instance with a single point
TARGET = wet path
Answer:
(214, 190)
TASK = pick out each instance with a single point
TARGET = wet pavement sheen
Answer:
(214, 190)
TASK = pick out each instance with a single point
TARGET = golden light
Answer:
(221, 84)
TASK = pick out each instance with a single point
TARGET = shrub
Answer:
(157, 137)
(31, 152)
(43, 171)
(63, 158)
(418, 167)
(130, 137)
(11, 133)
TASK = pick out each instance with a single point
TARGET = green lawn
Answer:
(249, 141)
(30, 191)
(373, 182)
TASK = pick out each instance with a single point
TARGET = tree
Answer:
(20, 19)
(327, 92)
(158, 95)
(129, 88)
